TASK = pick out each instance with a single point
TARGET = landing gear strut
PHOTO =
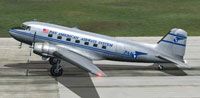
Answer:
(160, 67)
(56, 69)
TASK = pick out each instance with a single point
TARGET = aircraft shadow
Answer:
(80, 82)
(82, 85)
(137, 70)
(110, 70)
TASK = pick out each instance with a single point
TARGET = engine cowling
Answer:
(44, 49)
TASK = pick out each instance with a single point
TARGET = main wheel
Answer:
(56, 70)
(53, 61)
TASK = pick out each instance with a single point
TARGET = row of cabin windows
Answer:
(76, 41)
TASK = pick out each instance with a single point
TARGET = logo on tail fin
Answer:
(179, 37)
(174, 39)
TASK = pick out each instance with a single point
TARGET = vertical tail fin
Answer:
(174, 43)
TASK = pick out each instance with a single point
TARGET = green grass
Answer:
(109, 17)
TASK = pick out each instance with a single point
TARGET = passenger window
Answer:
(86, 43)
(59, 37)
(68, 39)
(77, 41)
(104, 47)
(50, 35)
(95, 45)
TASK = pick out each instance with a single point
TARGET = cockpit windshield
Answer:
(23, 27)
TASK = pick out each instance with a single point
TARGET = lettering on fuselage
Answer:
(52, 32)
(83, 39)
(89, 40)
(133, 55)
(105, 43)
(68, 35)
(64, 35)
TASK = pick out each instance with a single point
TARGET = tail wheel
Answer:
(160, 67)
(56, 70)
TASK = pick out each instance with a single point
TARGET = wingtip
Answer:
(100, 75)
(184, 65)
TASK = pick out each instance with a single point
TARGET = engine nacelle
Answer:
(44, 49)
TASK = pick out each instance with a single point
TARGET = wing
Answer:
(180, 63)
(78, 60)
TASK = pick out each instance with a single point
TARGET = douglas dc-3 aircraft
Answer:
(80, 48)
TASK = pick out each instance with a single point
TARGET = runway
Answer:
(20, 79)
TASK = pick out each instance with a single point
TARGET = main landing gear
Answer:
(56, 69)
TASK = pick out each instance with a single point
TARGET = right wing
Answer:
(78, 60)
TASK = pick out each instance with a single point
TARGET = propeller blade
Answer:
(30, 51)
(33, 43)
(20, 46)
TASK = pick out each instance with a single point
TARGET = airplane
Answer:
(81, 48)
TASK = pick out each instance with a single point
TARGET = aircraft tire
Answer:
(55, 72)
(53, 61)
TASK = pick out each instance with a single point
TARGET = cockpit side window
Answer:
(28, 28)
(23, 27)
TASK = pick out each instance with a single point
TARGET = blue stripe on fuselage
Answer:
(71, 44)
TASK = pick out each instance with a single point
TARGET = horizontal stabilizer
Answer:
(180, 63)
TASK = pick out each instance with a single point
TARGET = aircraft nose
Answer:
(10, 32)
(13, 31)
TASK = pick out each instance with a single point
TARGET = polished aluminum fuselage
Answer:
(116, 49)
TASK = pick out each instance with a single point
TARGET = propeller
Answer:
(20, 45)
(33, 44)
(31, 49)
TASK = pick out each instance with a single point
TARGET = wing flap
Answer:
(79, 61)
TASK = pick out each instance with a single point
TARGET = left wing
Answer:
(78, 60)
